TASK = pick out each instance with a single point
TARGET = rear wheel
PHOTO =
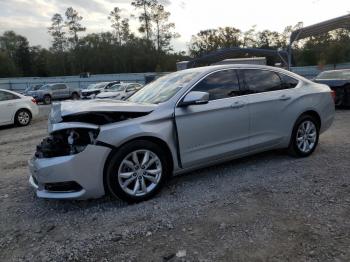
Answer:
(75, 96)
(304, 137)
(47, 99)
(137, 171)
(23, 117)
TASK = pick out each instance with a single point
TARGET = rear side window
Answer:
(222, 84)
(4, 96)
(288, 82)
(257, 81)
(59, 86)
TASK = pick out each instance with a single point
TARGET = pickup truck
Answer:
(50, 92)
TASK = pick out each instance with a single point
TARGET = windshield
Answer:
(33, 88)
(96, 86)
(44, 87)
(163, 88)
(341, 74)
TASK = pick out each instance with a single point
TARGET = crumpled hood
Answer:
(107, 105)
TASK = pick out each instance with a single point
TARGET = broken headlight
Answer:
(66, 142)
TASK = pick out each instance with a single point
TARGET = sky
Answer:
(32, 17)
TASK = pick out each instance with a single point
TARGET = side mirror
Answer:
(195, 98)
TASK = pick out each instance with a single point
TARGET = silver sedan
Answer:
(182, 121)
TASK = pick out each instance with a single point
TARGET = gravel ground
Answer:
(268, 207)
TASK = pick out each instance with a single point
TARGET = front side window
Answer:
(219, 85)
(257, 81)
(4, 96)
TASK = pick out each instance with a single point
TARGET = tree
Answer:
(7, 66)
(163, 29)
(125, 30)
(17, 49)
(115, 19)
(74, 26)
(213, 39)
(56, 31)
(145, 16)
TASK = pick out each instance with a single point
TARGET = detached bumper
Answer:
(77, 176)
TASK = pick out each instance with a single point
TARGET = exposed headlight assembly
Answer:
(66, 142)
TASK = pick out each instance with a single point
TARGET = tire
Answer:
(304, 137)
(75, 96)
(47, 99)
(340, 98)
(123, 169)
(23, 117)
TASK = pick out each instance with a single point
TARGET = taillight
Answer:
(34, 101)
(333, 94)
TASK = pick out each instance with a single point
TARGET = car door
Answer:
(269, 99)
(55, 91)
(215, 130)
(7, 107)
(64, 91)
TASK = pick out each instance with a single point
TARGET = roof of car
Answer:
(208, 69)
(10, 91)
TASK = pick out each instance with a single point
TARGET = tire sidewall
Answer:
(17, 122)
(44, 99)
(293, 144)
(111, 178)
(75, 96)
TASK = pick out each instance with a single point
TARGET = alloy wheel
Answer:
(140, 172)
(23, 118)
(306, 136)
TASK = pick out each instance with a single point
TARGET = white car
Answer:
(120, 91)
(16, 108)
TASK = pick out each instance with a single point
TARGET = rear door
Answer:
(217, 129)
(56, 92)
(65, 91)
(270, 95)
(7, 107)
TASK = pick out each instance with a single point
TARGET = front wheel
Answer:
(75, 96)
(304, 137)
(137, 171)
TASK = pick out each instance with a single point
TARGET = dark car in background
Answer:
(94, 89)
(49, 92)
(339, 82)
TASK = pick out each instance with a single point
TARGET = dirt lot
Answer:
(268, 207)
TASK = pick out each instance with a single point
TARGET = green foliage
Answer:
(330, 48)
(122, 51)
(73, 25)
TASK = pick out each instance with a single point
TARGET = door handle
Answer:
(237, 104)
(284, 97)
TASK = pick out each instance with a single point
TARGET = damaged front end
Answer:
(72, 127)
(66, 142)
(69, 163)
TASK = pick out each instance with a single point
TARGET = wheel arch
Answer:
(19, 109)
(314, 114)
(153, 139)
